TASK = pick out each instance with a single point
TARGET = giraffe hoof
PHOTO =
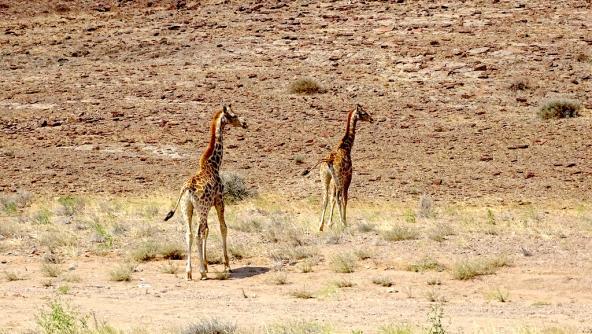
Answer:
(204, 276)
(188, 277)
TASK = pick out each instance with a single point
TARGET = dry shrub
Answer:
(306, 87)
(559, 108)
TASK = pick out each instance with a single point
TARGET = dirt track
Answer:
(119, 101)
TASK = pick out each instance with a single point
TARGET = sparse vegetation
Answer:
(301, 293)
(519, 85)
(221, 275)
(298, 327)
(440, 232)
(366, 227)
(383, 281)
(306, 87)
(172, 250)
(434, 296)
(343, 263)
(426, 264)
(426, 207)
(280, 278)
(559, 108)
(122, 273)
(146, 251)
(13, 276)
(468, 269)
(343, 283)
(51, 270)
(210, 326)
(399, 233)
(364, 253)
(500, 295)
(170, 267)
(70, 205)
(435, 320)
(235, 188)
(395, 329)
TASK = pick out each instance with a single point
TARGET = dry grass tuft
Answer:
(210, 326)
(169, 267)
(343, 283)
(13, 276)
(343, 263)
(51, 270)
(383, 281)
(172, 250)
(425, 264)
(302, 293)
(279, 278)
(145, 252)
(468, 269)
(306, 87)
(399, 233)
(122, 273)
(559, 108)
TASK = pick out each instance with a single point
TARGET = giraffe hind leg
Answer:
(187, 213)
(326, 180)
(201, 235)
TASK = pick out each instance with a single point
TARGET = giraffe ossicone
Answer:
(204, 190)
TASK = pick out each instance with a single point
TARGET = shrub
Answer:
(145, 252)
(559, 108)
(279, 279)
(383, 281)
(235, 188)
(426, 264)
(172, 250)
(70, 205)
(301, 294)
(51, 270)
(306, 87)
(426, 206)
(468, 269)
(122, 273)
(12, 276)
(58, 320)
(395, 329)
(298, 327)
(399, 233)
(210, 326)
(366, 227)
(170, 268)
(344, 283)
(343, 263)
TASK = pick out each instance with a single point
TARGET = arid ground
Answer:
(104, 110)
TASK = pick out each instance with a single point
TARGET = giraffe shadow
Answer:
(245, 272)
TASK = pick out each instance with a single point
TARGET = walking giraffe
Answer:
(336, 168)
(204, 190)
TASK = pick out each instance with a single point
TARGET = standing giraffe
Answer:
(204, 190)
(336, 168)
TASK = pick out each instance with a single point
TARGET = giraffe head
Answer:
(362, 114)
(229, 117)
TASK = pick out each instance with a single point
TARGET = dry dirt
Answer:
(118, 102)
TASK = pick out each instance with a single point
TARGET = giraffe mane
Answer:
(210, 149)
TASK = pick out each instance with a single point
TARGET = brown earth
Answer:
(119, 101)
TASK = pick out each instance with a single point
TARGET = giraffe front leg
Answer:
(340, 208)
(201, 234)
(344, 211)
(224, 233)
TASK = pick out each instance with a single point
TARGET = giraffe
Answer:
(204, 190)
(336, 168)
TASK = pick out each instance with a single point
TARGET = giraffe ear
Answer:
(225, 109)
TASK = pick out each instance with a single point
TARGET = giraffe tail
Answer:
(306, 171)
(172, 212)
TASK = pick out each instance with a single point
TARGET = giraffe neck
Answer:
(212, 157)
(347, 142)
